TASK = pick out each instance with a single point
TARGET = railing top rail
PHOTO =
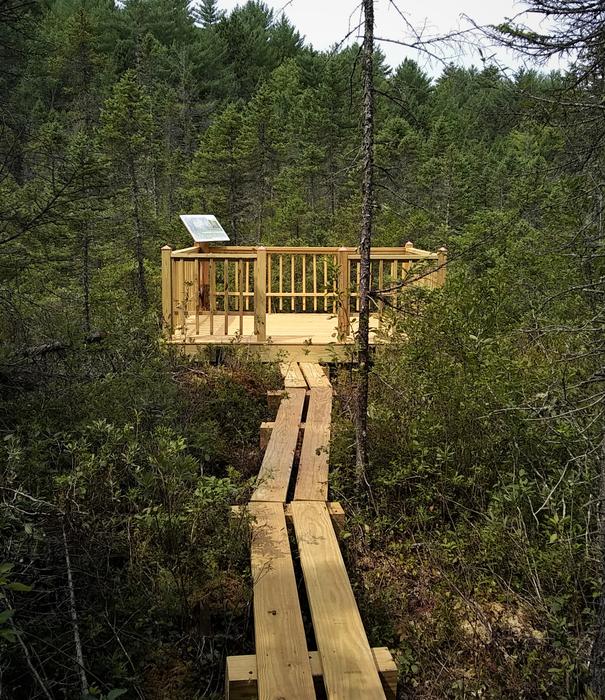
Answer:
(377, 252)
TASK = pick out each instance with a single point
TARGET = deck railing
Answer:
(209, 291)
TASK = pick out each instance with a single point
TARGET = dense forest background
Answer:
(476, 543)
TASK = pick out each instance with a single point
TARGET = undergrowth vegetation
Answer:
(116, 495)
(473, 537)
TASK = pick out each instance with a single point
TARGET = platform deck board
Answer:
(274, 474)
(349, 669)
(282, 657)
(293, 377)
(315, 375)
(312, 479)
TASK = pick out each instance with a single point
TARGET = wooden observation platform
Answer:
(295, 303)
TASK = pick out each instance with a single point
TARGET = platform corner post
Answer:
(441, 266)
(167, 314)
(343, 294)
(260, 295)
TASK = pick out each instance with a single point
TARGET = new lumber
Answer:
(241, 683)
(274, 474)
(312, 479)
(293, 377)
(315, 376)
(284, 670)
(336, 511)
(349, 670)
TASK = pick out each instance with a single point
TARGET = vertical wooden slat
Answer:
(325, 285)
(335, 287)
(240, 304)
(269, 281)
(358, 277)
(304, 282)
(380, 284)
(314, 282)
(247, 285)
(281, 282)
(212, 275)
(292, 288)
(181, 294)
(167, 289)
(226, 294)
(198, 292)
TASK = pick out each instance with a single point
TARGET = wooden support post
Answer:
(343, 294)
(167, 319)
(265, 434)
(274, 397)
(241, 681)
(260, 295)
(441, 267)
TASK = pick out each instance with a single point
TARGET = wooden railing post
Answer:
(167, 316)
(441, 267)
(260, 295)
(343, 294)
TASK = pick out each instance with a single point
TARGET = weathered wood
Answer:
(293, 376)
(314, 375)
(167, 289)
(274, 397)
(312, 479)
(241, 682)
(284, 670)
(274, 474)
(349, 670)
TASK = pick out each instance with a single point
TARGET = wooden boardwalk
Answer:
(343, 667)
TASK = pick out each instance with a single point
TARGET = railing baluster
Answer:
(304, 282)
(292, 287)
(269, 282)
(198, 291)
(212, 274)
(247, 285)
(226, 294)
(281, 282)
(314, 282)
(326, 308)
(240, 301)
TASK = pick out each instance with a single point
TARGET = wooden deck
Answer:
(295, 303)
(290, 336)
(343, 667)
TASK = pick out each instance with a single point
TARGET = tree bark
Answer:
(139, 252)
(365, 242)
(597, 657)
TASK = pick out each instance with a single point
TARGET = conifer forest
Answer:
(472, 478)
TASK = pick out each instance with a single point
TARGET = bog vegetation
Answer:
(475, 541)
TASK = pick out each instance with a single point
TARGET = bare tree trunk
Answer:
(74, 619)
(365, 242)
(86, 276)
(139, 253)
(597, 657)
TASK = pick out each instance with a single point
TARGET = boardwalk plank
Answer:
(349, 669)
(293, 377)
(315, 376)
(312, 480)
(274, 474)
(284, 671)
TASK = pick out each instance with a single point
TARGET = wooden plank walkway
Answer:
(274, 474)
(281, 649)
(344, 667)
(349, 670)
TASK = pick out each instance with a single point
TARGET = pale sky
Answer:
(326, 22)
